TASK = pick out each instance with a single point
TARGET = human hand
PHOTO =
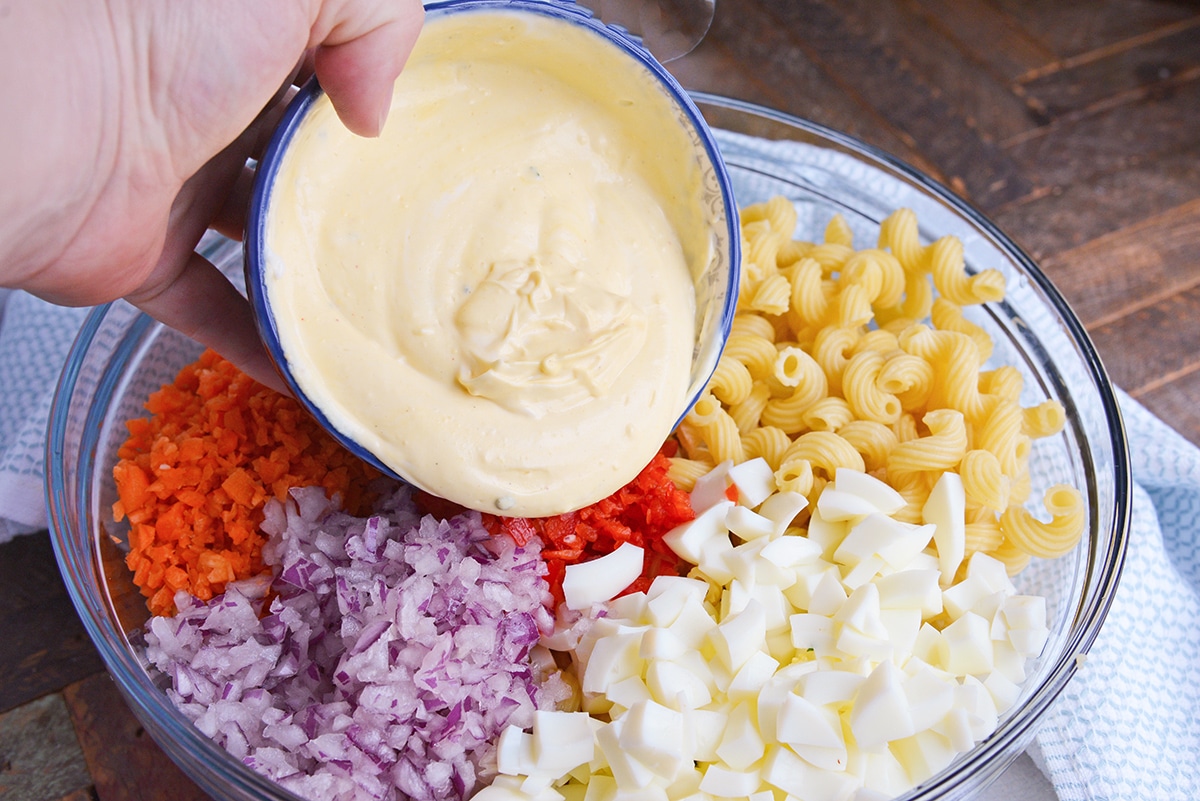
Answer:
(127, 128)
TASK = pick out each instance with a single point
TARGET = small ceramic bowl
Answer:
(711, 201)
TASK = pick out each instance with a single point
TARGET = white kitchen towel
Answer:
(1127, 727)
(1128, 724)
(34, 339)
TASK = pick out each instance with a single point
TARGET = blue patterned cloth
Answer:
(1127, 726)
(34, 339)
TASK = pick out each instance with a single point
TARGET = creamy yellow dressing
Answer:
(497, 296)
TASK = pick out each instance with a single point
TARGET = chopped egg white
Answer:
(599, 580)
(807, 666)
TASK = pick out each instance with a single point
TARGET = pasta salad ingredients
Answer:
(864, 359)
(194, 476)
(817, 666)
(383, 660)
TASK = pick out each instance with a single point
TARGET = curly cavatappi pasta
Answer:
(864, 358)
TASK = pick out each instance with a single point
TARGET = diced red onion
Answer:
(393, 653)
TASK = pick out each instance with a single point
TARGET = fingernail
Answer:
(383, 114)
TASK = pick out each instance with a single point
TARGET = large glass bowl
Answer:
(121, 356)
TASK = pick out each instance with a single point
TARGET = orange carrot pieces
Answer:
(193, 478)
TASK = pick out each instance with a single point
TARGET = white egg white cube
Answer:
(630, 607)
(866, 486)
(1003, 691)
(991, 571)
(611, 659)
(798, 722)
(945, 509)
(737, 637)
(791, 774)
(599, 580)
(923, 754)
(725, 782)
(750, 678)
(629, 772)
(661, 643)
(709, 489)
(967, 646)
(881, 713)
(789, 551)
(668, 595)
(562, 741)
(755, 481)
(741, 744)
(830, 687)
(693, 623)
(677, 686)
(827, 534)
(688, 539)
(911, 589)
(748, 525)
(828, 595)
(655, 734)
(712, 562)
(841, 506)
(514, 752)
(781, 509)
(930, 692)
(812, 632)
(628, 691)
(599, 788)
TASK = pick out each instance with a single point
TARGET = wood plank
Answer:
(1071, 150)
(125, 763)
(40, 756)
(1175, 402)
(1113, 276)
(45, 646)
(1088, 209)
(1151, 65)
(984, 100)
(712, 68)
(746, 55)
(1150, 347)
(1071, 27)
(843, 44)
(989, 34)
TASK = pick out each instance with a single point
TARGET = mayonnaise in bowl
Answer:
(511, 296)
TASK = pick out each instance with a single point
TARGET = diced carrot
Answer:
(240, 486)
(132, 485)
(193, 478)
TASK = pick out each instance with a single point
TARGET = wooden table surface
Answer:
(1074, 124)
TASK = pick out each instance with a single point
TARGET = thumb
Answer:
(359, 55)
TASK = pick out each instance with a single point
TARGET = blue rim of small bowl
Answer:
(567, 10)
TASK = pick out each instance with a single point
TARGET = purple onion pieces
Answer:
(395, 650)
